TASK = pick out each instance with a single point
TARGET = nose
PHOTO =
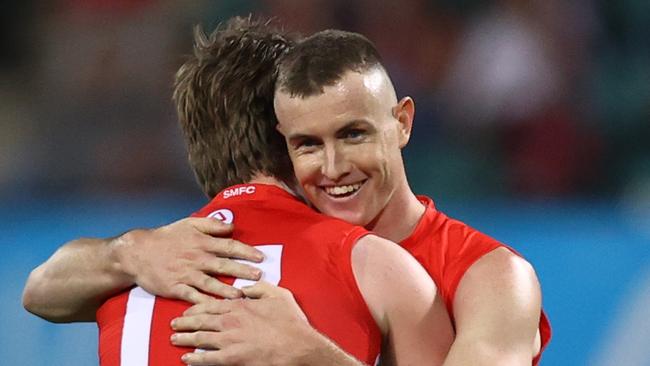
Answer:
(335, 165)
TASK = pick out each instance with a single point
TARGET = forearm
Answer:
(324, 352)
(76, 280)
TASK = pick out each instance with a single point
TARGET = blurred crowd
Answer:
(514, 98)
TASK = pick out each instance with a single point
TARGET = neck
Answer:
(260, 178)
(401, 215)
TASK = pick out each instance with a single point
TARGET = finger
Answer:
(230, 355)
(211, 226)
(212, 307)
(190, 294)
(207, 322)
(231, 267)
(231, 248)
(213, 286)
(201, 339)
(262, 289)
(207, 358)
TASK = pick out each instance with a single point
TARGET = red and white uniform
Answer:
(446, 248)
(306, 252)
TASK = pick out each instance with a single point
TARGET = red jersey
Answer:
(305, 252)
(446, 248)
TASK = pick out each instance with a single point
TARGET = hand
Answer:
(177, 260)
(268, 328)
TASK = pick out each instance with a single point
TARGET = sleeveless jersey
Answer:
(446, 248)
(305, 252)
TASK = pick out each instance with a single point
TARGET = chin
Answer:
(354, 218)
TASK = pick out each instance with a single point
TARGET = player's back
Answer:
(305, 252)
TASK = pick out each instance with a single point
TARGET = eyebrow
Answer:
(353, 124)
(299, 136)
(347, 126)
(357, 123)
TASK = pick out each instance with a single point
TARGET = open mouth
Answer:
(343, 191)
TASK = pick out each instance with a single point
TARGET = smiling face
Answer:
(345, 144)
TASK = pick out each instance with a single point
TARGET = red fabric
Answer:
(110, 320)
(161, 351)
(446, 248)
(315, 266)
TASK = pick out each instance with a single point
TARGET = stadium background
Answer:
(532, 125)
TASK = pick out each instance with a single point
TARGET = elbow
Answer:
(29, 303)
(31, 296)
(46, 312)
(35, 300)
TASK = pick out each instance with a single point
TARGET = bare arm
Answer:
(273, 330)
(404, 301)
(171, 261)
(74, 281)
(497, 308)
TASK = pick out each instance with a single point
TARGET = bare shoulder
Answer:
(499, 277)
(388, 277)
(501, 266)
(498, 303)
(374, 242)
(384, 257)
(404, 302)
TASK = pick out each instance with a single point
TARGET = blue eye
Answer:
(354, 134)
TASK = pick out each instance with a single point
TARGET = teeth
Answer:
(341, 190)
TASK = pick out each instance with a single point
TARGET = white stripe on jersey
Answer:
(137, 328)
(271, 266)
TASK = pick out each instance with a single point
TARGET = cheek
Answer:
(377, 163)
(304, 167)
(389, 152)
(372, 158)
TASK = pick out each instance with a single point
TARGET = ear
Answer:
(279, 128)
(404, 112)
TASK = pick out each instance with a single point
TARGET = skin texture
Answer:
(353, 133)
(497, 304)
(399, 294)
(401, 297)
(173, 261)
(497, 311)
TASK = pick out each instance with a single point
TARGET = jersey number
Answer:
(139, 309)
(271, 266)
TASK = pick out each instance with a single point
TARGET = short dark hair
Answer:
(321, 60)
(224, 99)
